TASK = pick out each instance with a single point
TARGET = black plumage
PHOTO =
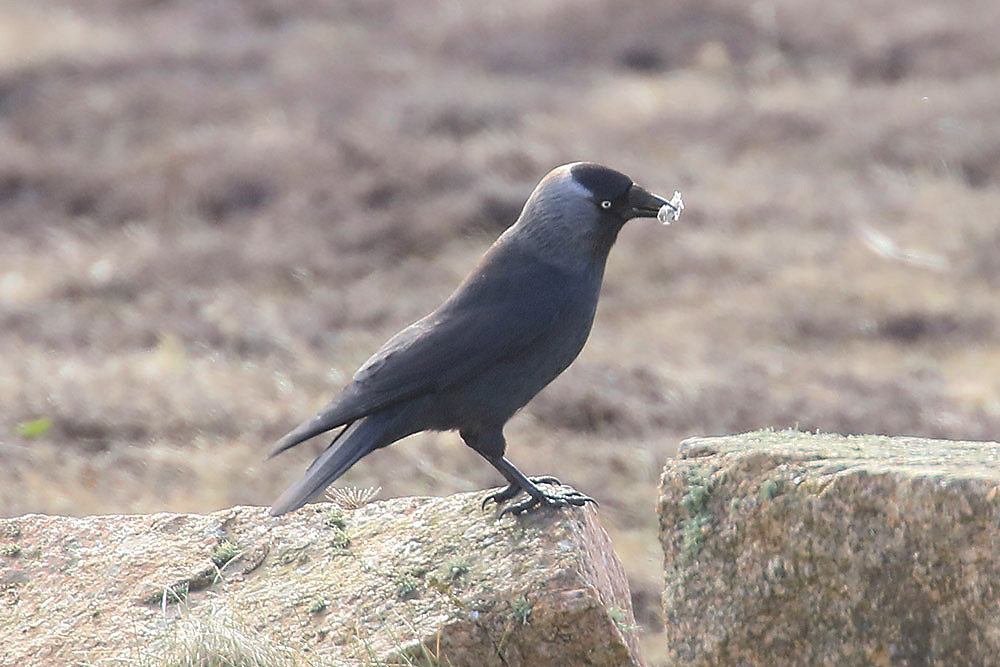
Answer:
(514, 324)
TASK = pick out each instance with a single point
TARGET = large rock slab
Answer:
(785, 548)
(429, 580)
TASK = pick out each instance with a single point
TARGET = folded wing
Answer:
(496, 312)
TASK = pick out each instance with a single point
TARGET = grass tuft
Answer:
(352, 497)
(521, 608)
(456, 567)
(341, 539)
(225, 552)
(34, 428)
(620, 618)
(335, 518)
(216, 638)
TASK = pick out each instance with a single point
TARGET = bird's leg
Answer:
(490, 444)
(561, 497)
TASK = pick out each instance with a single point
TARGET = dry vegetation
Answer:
(211, 212)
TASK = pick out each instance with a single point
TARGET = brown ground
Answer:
(212, 212)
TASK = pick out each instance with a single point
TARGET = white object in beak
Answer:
(671, 212)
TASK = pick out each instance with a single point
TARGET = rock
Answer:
(797, 549)
(418, 579)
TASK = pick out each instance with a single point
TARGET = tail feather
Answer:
(361, 437)
(345, 450)
(319, 424)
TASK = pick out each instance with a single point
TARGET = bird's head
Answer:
(584, 205)
(613, 194)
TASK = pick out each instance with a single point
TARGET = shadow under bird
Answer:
(514, 324)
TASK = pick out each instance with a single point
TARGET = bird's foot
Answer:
(500, 497)
(562, 496)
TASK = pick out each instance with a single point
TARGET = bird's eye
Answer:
(606, 204)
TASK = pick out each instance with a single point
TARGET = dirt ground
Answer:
(212, 212)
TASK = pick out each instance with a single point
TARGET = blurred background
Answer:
(212, 212)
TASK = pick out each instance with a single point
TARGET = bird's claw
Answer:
(566, 496)
(500, 497)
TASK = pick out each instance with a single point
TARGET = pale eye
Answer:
(605, 204)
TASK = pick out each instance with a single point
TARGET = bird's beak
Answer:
(644, 204)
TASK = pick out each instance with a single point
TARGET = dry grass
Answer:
(215, 637)
(211, 213)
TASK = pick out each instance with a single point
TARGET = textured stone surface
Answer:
(425, 577)
(785, 548)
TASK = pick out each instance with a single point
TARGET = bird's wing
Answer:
(496, 313)
(499, 310)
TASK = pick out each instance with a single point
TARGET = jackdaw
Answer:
(515, 323)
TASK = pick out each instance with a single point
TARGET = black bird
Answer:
(514, 324)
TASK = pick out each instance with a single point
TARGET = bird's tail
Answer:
(321, 423)
(360, 438)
